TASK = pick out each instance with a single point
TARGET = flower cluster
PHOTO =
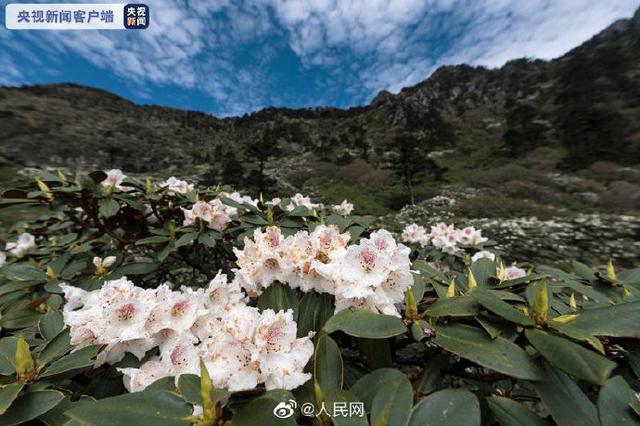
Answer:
(114, 179)
(301, 200)
(512, 273)
(23, 245)
(174, 186)
(240, 346)
(344, 208)
(446, 238)
(215, 213)
(373, 274)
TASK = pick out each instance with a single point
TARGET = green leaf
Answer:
(81, 358)
(499, 307)
(497, 354)
(449, 407)
(139, 268)
(260, 411)
(20, 318)
(363, 323)
(367, 386)
(278, 297)
(564, 399)
(391, 406)
(619, 320)
(254, 219)
(164, 383)
(152, 408)
(208, 239)
(327, 368)
(614, 403)
(29, 406)
(189, 386)
(338, 402)
(571, 357)
(577, 334)
(511, 413)
(8, 393)
(108, 207)
(483, 269)
(299, 211)
(55, 348)
(186, 239)
(583, 270)
(51, 324)
(314, 311)
(56, 416)
(156, 239)
(23, 272)
(8, 355)
(458, 306)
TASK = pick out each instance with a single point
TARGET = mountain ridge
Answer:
(567, 115)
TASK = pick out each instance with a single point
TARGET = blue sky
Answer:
(230, 57)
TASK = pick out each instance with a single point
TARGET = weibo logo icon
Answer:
(284, 410)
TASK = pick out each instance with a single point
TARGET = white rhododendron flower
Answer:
(294, 260)
(373, 274)
(415, 234)
(445, 238)
(114, 179)
(483, 254)
(301, 200)
(471, 236)
(241, 347)
(175, 310)
(345, 208)
(214, 213)
(513, 272)
(23, 245)
(238, 198)
(176, 186)
(3, 258)
(137, 379)
(280, 355)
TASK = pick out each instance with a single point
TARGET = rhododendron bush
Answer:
(128, 301)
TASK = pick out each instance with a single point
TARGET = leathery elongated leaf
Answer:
(448, 407)
(391, 406)
(367, 386)
(497, 354)
(8, 393)
(29, 406)
(511, 413)
(564, 399)
(327, 370)
(614, 403)
(279, 297)
(499, 307)
(619, 320)
(338, 403)
(313, 312)
(571, 357)
(363, 323)
(152, 408)
(457, 306)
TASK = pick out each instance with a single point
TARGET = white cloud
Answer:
(224, 47)
(399, 41)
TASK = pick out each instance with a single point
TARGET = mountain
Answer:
(545, 136)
